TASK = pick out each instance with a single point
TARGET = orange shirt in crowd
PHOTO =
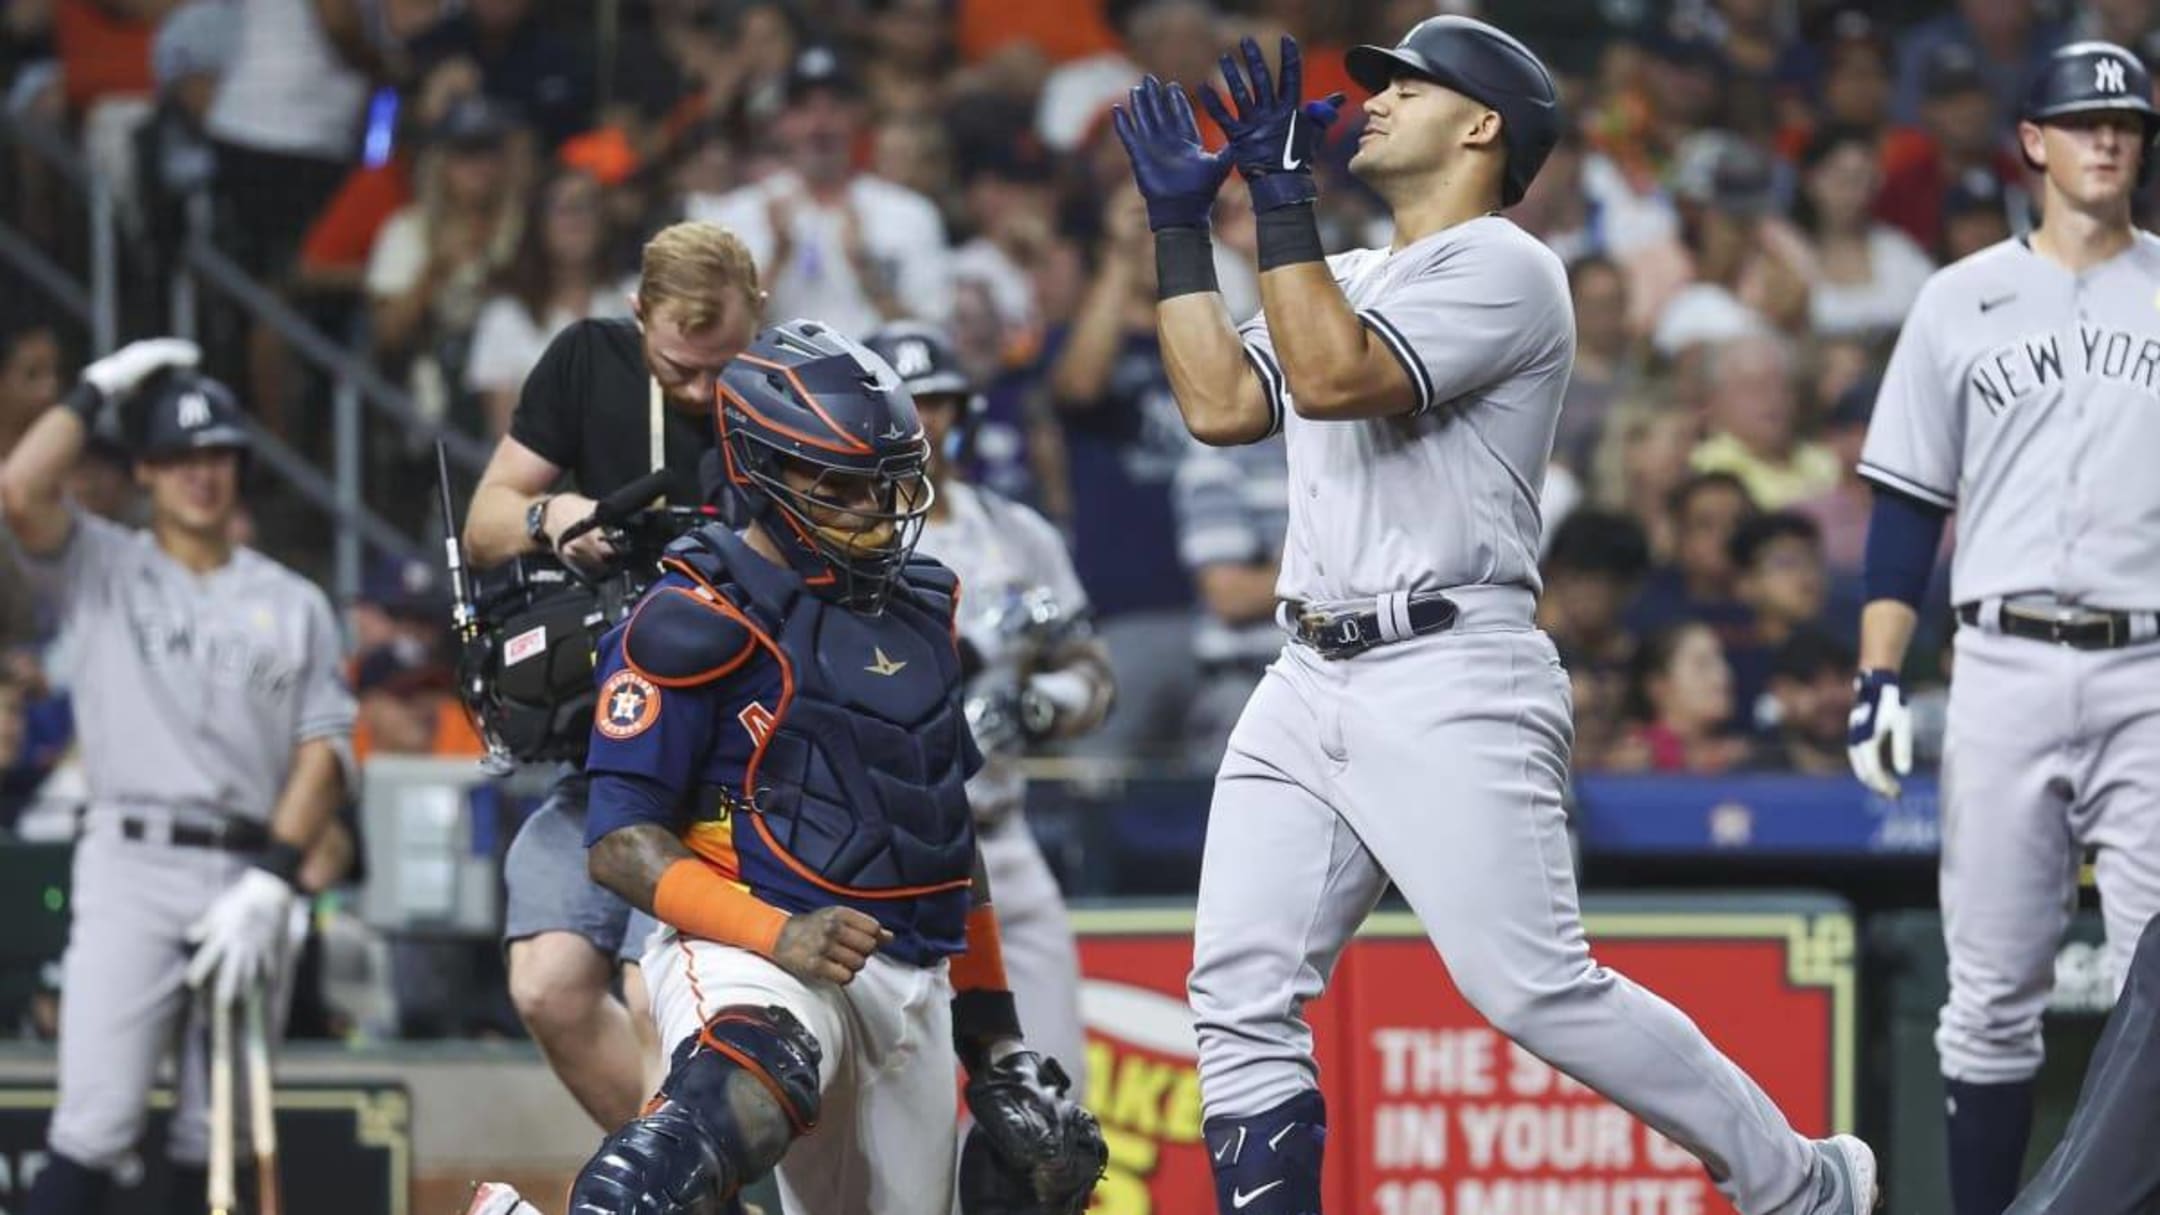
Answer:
(1059, 31)
(342, 235)
(101, 53)
(454, 735)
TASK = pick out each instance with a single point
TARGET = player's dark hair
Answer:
(1758, 532)
(1653, 658)
(1684, 493)
(1809, 653)
(1600, 543)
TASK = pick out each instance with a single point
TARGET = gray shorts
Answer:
(635, 937)
(548, 885)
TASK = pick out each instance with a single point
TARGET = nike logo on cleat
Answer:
(1238, 1198)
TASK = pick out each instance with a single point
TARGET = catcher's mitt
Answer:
(1033, 1151)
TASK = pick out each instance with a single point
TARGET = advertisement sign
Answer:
(1431, 1111)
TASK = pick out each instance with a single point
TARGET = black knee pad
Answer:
(737, 1094)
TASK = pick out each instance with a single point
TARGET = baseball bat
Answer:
(262, 1112)
(222, 1181)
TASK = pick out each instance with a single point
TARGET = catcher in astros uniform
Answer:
(1035, 673)
(1417, 731)
(2024, 394)
(779, 767)
(216, 736)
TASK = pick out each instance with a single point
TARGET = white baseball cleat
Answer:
(1848, 1178)
(495, 1198)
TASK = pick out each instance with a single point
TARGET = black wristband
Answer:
(84, 401)
(1184, 263)
(1289, 235)
(979, 1018)
(282, 861)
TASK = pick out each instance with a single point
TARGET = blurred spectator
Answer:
(402, 604)
(407, 707)
(914, 151)
(2009, 37)
(1641, 460)
(1039, 32)
(555, 277)
(831, 242)
(1840, 513)
(173, 158)
(2131, 23)
(1962, 140)
(1744, 266)
(1865, 273)
(1233, 507)
(284, 121)
(1699, 582)
(432, 261)
(1124, 441)
(911, 47)
(1556, 211)
(334, 253)
(1679, 699)
(1006, 176)
(16, 778)
(1594, 564)
(1169, 39)
(1811, 696)
(1778, 558)
(1974, 215)
(1753, 407)
(104, 49)
(1607, 363)
(29, 385)
(538, 74)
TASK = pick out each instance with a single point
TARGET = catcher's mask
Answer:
(821, 439)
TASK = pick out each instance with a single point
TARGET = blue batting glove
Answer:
(1274, 133)
(1176, 173)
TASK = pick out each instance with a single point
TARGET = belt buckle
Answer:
(1334, 636)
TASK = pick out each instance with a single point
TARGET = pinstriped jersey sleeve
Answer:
(1917, 430)
(1472, 314)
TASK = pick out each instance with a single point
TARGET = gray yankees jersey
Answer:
(1479, 316)
(2027, 398)
(193, 689)
(1000, 549)
(1233, 507)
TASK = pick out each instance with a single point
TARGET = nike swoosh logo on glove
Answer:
(1290, 162)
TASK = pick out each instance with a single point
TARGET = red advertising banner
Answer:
(1431, 1111)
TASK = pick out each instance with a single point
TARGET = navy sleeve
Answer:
(1903, 536)
(617, 801)
(661, 734)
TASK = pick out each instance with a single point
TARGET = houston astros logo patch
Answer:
(628, 704)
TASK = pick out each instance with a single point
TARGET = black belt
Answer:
(1346, 632)
(2092, 629)
(230, 835)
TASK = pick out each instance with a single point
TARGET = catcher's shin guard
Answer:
(1269, 1163)
(738, 1093)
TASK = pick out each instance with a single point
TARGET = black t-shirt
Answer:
(587, 408)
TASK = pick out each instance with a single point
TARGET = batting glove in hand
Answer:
(1030, 1141)
(108, 383)
(1274, 133)
(1176, 173)
(1879, 742)
(237, 941)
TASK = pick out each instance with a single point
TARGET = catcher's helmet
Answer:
(184, 411)
(821, 438)
(930, 367)
(2084, 77)
(1487, 65)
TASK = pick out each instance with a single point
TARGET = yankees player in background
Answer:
(2024, 394)
(1417, 728)
(1028, 683)
(215, 729)
(588, 412)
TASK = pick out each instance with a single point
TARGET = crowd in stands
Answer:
(1748, 195)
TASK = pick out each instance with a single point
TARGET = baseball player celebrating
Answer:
(1034, 674)
(215, 738)
(779, 766)
(1417, 731)
(2022, 396)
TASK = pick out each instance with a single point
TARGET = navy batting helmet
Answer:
(1488, 66)
(930, 367)
(184, 411)
(821, 438)
(2085, 77)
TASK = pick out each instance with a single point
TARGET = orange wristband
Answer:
(693, 898)
(982, 967)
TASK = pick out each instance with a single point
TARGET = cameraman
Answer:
(590, 409)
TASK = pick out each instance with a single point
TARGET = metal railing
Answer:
(358, 388)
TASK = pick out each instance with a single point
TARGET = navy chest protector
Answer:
(859, 787)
